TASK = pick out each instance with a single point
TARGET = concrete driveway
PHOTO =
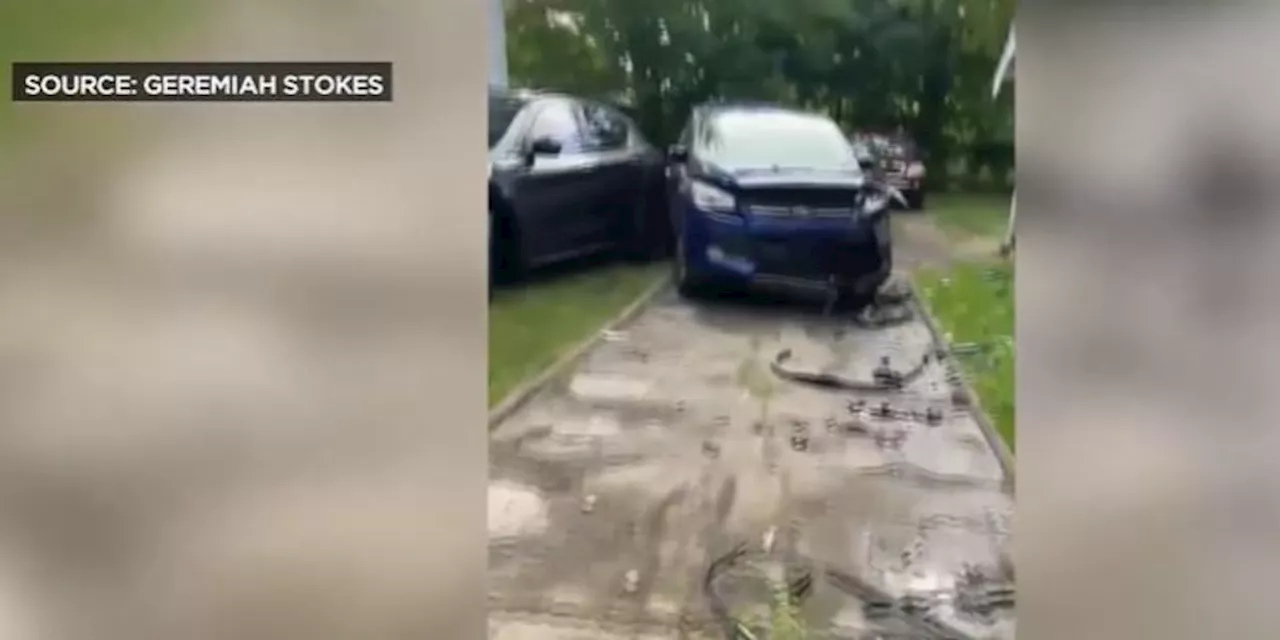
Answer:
(615, 487)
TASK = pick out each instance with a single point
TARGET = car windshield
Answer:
(502, 110)
(778, 140)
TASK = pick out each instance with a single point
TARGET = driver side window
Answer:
(558, 121)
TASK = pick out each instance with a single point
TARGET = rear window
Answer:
(762, 140)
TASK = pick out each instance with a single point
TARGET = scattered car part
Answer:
(890, 380)
(933, 416)
(800, 437)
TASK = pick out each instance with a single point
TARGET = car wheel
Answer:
(506, 262)
(493, 253)
(688, 283)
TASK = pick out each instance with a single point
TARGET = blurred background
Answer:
(238, 392)
(1146, 320)
(923, 65)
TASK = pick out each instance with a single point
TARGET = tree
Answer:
(920, 64)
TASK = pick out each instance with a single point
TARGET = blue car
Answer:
(768, 197)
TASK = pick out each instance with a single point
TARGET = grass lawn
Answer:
(531, 326)
(961, 215)
(973, 303)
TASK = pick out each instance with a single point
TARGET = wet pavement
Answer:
(616, 486)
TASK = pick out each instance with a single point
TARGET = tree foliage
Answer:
(923, 65)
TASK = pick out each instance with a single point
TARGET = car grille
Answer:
(817, 203)
(816, 259)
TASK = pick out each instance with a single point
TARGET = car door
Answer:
(554, 192)
(616, 176)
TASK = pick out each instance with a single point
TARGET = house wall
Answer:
(497, 44)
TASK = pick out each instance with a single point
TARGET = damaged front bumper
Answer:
(815, 257)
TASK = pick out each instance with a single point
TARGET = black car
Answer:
(767, 196)
(569, 176)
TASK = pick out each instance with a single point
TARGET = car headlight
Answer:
(711, 198)
(915, 170)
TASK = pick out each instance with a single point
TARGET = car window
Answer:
(606, 130)
(754, 140)
(558, 121)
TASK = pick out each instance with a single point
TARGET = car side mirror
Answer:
(542, 147)
(867, 164)
(677, 153)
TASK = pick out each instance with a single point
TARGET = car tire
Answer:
(688, 284)
(506, 262)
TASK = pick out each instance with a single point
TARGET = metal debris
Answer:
(883, 373)
(980, 594)
(883, 410)
(933, 416)
(800, 436)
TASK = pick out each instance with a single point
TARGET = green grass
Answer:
(973, 303)
(970, 214)
(531, 326)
